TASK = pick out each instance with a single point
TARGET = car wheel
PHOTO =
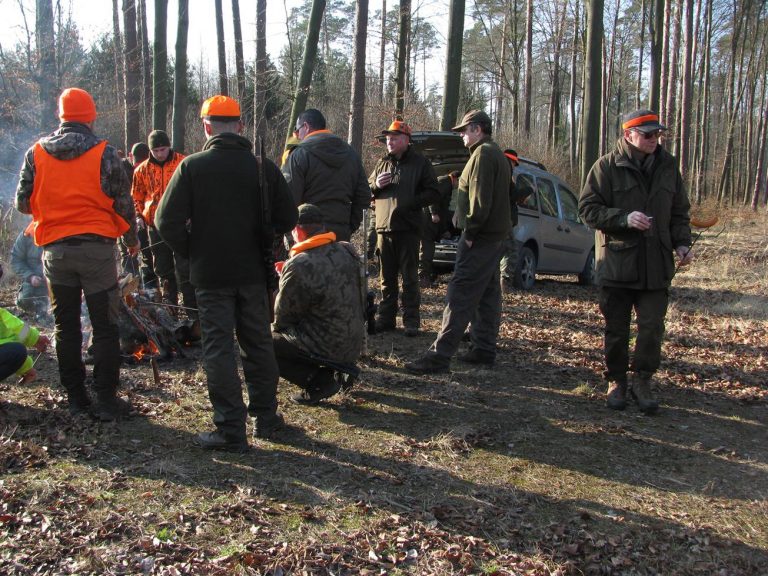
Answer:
(525, 273)
(588, 275)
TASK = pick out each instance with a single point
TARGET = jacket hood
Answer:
(229, 140)
(329, 148)
(71, 140)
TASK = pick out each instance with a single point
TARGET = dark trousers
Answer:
(509, 259)
(12, 357)
(172, 271)
(89, 268)
(474, 295)
(650, 307)
(147, 269)
(298, 367)
(224, 313)
(399, 256)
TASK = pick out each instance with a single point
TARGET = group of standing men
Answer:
(216, 211)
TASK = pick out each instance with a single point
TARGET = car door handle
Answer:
(563, 229)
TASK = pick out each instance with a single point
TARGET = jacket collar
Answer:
(312, 242)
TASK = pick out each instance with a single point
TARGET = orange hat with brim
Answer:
(397, 127)
(220, 108)
(76, 105)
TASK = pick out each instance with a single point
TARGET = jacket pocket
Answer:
(621, 261)
(667, 256)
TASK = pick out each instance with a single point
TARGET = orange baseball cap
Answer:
(220, 108)
(397, 127)
(76, 105)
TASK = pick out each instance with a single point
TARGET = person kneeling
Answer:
(319, 312)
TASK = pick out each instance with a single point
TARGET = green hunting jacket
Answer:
(483, 198)
(617, 185)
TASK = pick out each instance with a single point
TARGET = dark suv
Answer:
(550, 236)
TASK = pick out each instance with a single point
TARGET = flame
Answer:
(145, 349)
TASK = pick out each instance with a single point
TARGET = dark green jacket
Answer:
(211, 212)
(618, 185)
(325, 171)
(398, 205)
(483, 199)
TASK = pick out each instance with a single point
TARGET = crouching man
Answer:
(319, 312)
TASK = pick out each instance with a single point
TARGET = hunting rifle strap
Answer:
(267, 235)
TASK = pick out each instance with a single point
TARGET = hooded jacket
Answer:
(325, 171)
(399, 204)
(71, 140)
(617, 185)
(149, 181)
(13, 329)
(211, 212)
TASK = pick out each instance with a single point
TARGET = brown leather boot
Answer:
(641, 391)
(617, 395)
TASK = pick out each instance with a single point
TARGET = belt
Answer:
(81, 240)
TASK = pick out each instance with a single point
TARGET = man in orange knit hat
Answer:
(74, 185)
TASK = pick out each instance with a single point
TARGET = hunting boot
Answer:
(617, 395)
(641, 391)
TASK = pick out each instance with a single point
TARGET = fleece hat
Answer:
(643, 120)
(220, 108)
(309, 214)
(158, 139)
(140, 152)
(76, 105)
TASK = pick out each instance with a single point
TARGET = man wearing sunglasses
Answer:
(635, 199)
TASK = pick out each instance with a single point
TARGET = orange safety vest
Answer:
(67, 198)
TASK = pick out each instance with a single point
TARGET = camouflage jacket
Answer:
(320, 305)
(72, 140)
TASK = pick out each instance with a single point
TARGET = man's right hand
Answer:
(28, 376)
(383, 179)
(639, 221)
(140, 225)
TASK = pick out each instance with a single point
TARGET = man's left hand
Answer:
(133, 250)
(469, 243)
(684, 255)
(42, 343)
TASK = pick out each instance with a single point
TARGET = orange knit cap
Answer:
(220, 108)
(76, 105)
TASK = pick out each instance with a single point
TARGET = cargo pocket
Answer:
(621, 261)
(667, 257)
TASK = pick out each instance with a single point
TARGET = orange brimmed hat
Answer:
(643, 120)
(397, 127)
(220, 108)
(76, 105)
(512, 155)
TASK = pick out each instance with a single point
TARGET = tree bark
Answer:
(403, 41)
(529, 66)
(687, 92)
(146, 66)
(453, 56)
(239, 59)
(382, 50)
(160, 67)
(572, 142)
(260, 82)
(657, 42)
(670, 107)
(640, 58)
(180, 78)
(221, 50)
(117, 42)
(592, 87)
(357, 103)
(132, 94)
(308, 62)
(703, 155)
(46, 72)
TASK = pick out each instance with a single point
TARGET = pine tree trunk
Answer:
(160, 67)
(592, 86)
(133, 85)
(453, 58)
(221, 50)
(572, 142)
(180, 79)
(657, 43)
(403, 41)
(308, 62)
(146, 66)
(46, 73)
(501, 75)
(687, 92)
(703, 156)
(639, 85)
(239, 58)
(260, 81)
(382, 50)
(117, 42)
(357, 104)
(670, 107)
(529, 66)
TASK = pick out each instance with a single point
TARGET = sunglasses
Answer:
(648, 135)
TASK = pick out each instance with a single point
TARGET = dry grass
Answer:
(518, 469)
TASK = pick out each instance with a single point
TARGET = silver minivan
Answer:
(550, 236)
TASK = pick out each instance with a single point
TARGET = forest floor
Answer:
(518, 469)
